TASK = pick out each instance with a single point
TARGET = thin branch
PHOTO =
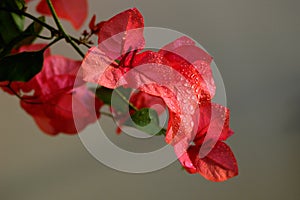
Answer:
(44, 37)
(60, 27)
(106, 114)
(126, 100)
(51, 43)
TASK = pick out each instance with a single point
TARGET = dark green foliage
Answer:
(22, 66)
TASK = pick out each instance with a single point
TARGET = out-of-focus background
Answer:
(256, 46)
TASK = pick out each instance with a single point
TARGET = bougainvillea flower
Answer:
(49, 96)
(211, 125)
(74, 11)
(181, 76)
(99, 67)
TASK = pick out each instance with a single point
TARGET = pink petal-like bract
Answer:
(122, 32)
(56, 114)
(219, 165)
(55, 93)
(119, 38)
(213, 122)
(201, 60)
(179, 74)
(48, 97)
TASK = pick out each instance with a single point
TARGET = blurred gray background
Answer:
(256, 46)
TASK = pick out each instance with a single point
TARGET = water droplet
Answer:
(188, 164)
(192, 124)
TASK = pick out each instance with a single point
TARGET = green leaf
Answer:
(30, 34)
(22, 66)
(104, 94)
(19, 19)
(9, 30)
(144, 116)
(11, 24)
(25, 38)
(146, 120)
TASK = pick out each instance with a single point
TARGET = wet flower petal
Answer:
(219, 165)
(122, 33)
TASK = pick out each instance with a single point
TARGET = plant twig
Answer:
(126, 100)
(106, 114)
(60, 27)
(51, 43)
(44, 37)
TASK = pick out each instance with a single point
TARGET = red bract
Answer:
(55, 115)
(219, 165)
(122, 33)
(179, 74)
(49, 96)
(119, 38)
(95, 28)
(74, 11)
(213, 122)
(143, 100)
(186, 48)
(208, 155)
(32, 47)
(179, 83)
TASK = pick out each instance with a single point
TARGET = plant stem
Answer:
(60, 27)
(106, 114)
(44, 37)
(51, 43)
(125, 99)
